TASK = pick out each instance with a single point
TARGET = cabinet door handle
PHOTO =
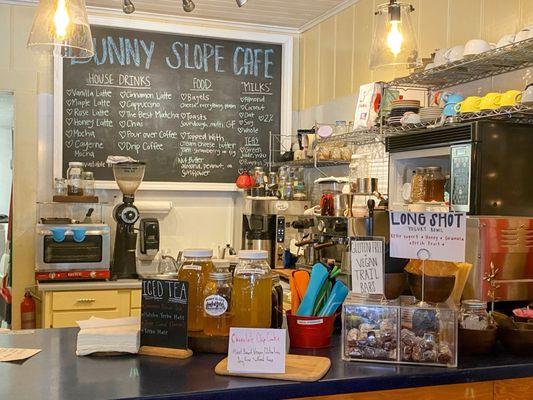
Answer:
(86, 300)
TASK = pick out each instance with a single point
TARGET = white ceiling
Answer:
(280, 13)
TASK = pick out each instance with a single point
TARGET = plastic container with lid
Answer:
(417, 185)
(217, 303)
(195, 269)
(252, 290)
(74, 178)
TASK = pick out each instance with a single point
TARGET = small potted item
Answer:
(476, 334)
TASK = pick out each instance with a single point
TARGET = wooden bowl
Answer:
(437, 289)
(476, 342)
(518, 341)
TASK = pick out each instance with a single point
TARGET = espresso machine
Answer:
(272, 224)
(128, 176)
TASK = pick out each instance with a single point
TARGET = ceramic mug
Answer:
(476, 46)
(449, 98)
(440, 57)
(491, 101)
(455, 53)
(524, 34)
(505, 40)
(449, 110)
(469, 105)
(511, 98)
(527, 95)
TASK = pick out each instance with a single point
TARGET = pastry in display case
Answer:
(401, 331)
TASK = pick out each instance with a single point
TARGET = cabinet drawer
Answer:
(86, 300)
(135, 298)
(66, 319)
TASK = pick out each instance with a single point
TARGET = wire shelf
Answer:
(490, 63)
(310, 163)
(522, 113)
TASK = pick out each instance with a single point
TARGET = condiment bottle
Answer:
(74, 178)
(217, 304)
(195, 269)
(277, 303)
(252, 290)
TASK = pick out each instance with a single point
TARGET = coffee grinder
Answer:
(128, 176)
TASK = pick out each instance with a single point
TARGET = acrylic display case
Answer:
(399, 331)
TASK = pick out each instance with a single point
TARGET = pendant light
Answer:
(62, 27)
(241, 3)
(394, 37)
(128, 7)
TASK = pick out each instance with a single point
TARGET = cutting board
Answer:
(297, 368)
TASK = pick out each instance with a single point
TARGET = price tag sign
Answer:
(164, 313)
(257, 350)
(442, 236)
(367, 257)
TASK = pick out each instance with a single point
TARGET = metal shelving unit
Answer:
(310, 163)
(490, 63)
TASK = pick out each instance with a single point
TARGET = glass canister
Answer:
(217, 304)
(60, 187)
(417, 185)
(75, 178)
(195, 269)
(358, 174)
(277, 303)
(88, 183)
(434, 182)
(252, 290)
(474, 315)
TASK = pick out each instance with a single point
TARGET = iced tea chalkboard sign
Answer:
(163, 316)
(195, 109)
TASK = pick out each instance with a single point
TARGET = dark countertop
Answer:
(57, 373)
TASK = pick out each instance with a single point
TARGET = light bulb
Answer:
(395, 38)
(61, 19)
(128, 7)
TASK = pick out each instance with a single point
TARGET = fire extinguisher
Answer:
(27, 311)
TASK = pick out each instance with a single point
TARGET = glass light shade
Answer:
(62, 27)
(394, 37)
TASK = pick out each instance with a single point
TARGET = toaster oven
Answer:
(72, 252)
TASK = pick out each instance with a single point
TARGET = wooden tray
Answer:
(75, 199)
(297, 368)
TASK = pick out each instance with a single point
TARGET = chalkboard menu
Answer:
(164, 313)
(194, 109)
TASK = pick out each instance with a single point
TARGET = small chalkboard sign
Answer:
(164, 318)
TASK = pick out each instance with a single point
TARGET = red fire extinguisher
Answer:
(27, 311)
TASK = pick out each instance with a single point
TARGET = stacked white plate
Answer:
(430, 114)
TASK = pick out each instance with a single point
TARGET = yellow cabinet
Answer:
(62, 308)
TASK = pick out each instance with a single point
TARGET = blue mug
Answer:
(449, 98)
(449, 110)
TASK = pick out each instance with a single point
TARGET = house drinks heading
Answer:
(194, 109)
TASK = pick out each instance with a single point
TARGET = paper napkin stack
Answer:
(108, 335)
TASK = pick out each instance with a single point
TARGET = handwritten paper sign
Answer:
(367, 258)
(441, 236)
(256, 350)
(164, 313)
